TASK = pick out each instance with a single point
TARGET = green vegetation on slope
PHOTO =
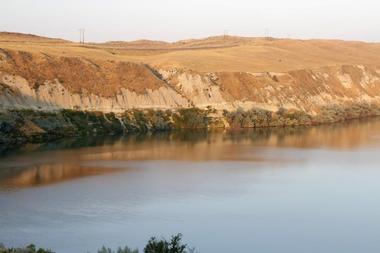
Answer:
(28, 126)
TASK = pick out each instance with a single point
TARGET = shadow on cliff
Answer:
(11, 99)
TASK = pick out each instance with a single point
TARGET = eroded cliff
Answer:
(43, 82)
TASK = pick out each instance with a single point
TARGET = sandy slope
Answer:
(212, 54)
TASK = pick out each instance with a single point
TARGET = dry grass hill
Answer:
(224, 72)
(213, 54)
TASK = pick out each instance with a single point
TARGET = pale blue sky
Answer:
(176, 19)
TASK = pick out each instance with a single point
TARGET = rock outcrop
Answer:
(43, 82)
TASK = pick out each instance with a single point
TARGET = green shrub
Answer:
(258, 118)
(191, 118)
(141, 120)
(126, 249)
(160, 120)
(163, 246)
(28, 249)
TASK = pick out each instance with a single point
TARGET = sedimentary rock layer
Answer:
(43, 82)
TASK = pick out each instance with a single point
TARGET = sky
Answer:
(171, 20)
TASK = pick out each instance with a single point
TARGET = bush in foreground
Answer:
(126, 249)
(154, 245)
(163, 246)
(28, 249)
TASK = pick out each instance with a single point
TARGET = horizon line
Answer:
(188, 38)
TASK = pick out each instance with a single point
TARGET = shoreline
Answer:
(20, 127)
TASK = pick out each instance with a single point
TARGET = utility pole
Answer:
(267, 35)
(225, 34)
(81, 35)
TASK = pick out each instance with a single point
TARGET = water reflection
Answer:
(44, 174)
(37, 165)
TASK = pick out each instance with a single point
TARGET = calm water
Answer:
(270, 191)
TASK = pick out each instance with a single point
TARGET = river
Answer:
(298, 190)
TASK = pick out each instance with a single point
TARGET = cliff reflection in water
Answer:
(37, 165)
(46, 174)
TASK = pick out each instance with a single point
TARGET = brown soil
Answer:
(77, 73)
(104, 68)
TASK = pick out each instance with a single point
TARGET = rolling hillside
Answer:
(225, 73)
